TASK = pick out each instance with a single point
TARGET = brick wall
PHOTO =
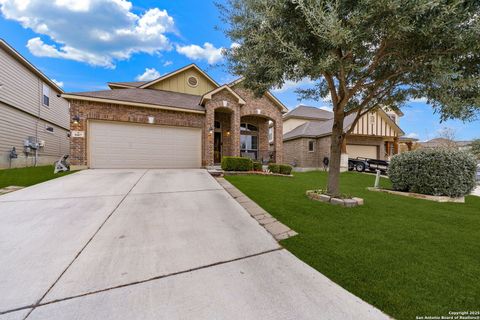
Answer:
(88, 110)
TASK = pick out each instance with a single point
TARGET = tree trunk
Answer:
(338, 136)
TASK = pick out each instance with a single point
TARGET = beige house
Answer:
(181, 120)
(307, 135)
(33, 118)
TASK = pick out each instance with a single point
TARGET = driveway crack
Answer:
(35, 305)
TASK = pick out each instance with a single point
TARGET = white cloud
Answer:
(291, 85)
(412, 135)
(418, 100)
(167, 63)
(97, 32)
(149, 74)
(58, 83)
(207, 52)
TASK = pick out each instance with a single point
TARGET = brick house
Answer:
(181, 120)
(307, 136)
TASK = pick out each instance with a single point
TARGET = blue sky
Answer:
(84, 44)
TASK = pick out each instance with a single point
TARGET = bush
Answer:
(285, 169)
(438, 172)
(236, 164)
(257, 166)
(274, 168)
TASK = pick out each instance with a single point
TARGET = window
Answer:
(249, 140)
(49, 129)
(311, 145)
(46, 95)
(217, 125)
(270, 134)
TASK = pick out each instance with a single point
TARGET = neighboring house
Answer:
(181, 120)
(33, 118)
(446, 143)
(307, 136)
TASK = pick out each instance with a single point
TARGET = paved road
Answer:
(151, 244)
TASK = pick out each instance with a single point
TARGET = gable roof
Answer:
(316, 129)
(171, 74)
(308, 112)
(21, 59)
(208, 95)
(143, 98)
(127, 84)
(275, 100)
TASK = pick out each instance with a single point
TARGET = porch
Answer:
(250, 136)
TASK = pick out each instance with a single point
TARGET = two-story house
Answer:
(307, 135)
(34, 119)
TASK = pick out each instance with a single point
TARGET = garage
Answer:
(129, 145)
(362, 151)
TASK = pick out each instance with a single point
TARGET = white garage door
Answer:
(362, 151)
(125, 145)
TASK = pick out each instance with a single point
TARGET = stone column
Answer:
(235, 132)
(208, 136)
(278, 141)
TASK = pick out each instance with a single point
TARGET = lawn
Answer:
(405, 256)
(27, 176)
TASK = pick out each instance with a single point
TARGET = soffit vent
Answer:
(192, 81)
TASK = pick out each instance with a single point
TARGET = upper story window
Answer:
(45, 95)
(49, 128)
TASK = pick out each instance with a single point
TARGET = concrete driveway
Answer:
(151, 244)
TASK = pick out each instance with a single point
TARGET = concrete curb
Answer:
(277, 229)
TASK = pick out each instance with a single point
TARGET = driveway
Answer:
(151, 244)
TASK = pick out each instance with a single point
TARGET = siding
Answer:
(374, 124)
(23, 89)
(178, 83)
(290, 124)
(16, 126)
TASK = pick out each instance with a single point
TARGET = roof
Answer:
(149, 97)
(208, 95)
(171, 74)
(407, 139)
(128, 84)
(319, 128)
(268, 94)
(17, 56)
(307, 112)
(442, 142)
(315, 129)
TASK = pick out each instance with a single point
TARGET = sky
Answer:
(84, 44)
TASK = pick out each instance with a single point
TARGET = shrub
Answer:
(236, 164)
(438, 172)
(274, 168)
(257, 166)
(285, 169)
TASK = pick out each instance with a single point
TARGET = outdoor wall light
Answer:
(76, 119)
(210, 130)
(228, 132)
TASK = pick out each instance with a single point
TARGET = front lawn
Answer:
(408, 257)
(27, 176)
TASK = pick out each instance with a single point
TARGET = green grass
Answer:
(406, 256)
(27, 176)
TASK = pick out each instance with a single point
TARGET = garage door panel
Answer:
(124, 145)
(363, 151)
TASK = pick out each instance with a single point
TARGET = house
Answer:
(183, 119)
(33, 118)
(307, 135)
(446, 143)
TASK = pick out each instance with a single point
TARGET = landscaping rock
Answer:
(337, 201)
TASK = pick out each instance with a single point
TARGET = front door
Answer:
(217, 147)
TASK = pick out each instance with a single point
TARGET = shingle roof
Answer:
(147, 96)
(135, 84)
(308, 112)
(317, 128)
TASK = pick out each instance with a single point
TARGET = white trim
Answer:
(208, 95)
(171, 74)
(129, 103)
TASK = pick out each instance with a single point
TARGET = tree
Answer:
(476, 148)
(362, 54)
(448, 137)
